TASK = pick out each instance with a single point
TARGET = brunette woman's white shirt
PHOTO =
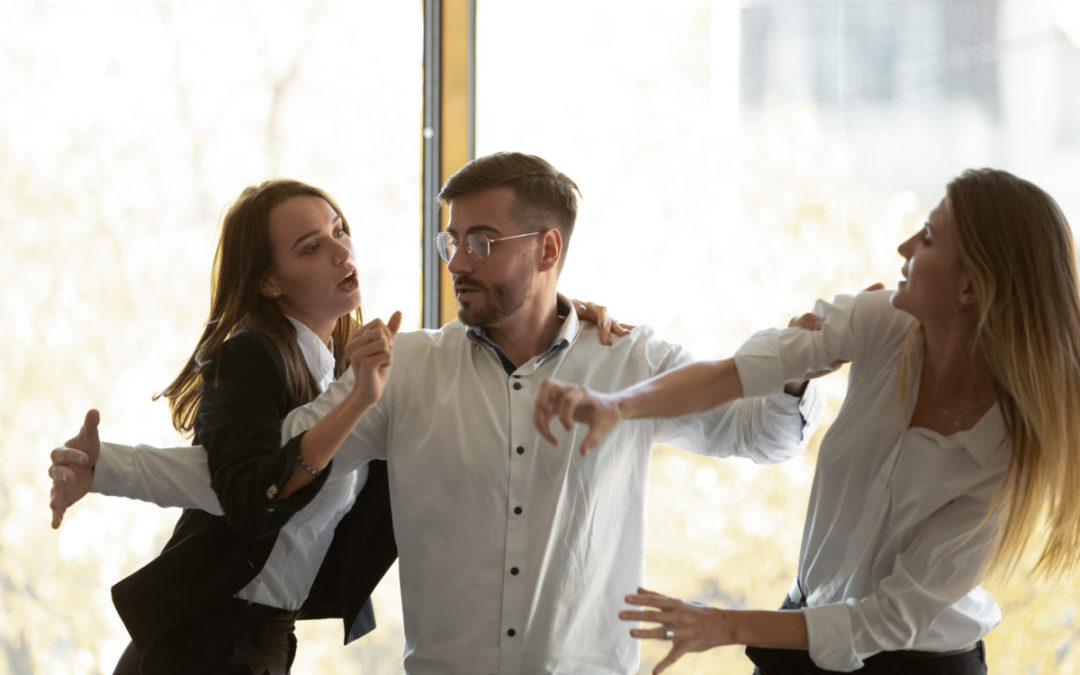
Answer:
(318, 356)
(892, 549)
(285, 579)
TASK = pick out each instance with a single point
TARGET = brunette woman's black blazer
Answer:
(209, 558)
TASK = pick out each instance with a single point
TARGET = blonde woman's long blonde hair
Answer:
(1016, 245)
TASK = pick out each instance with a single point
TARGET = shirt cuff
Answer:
(828, 628)
(758, 364)
(114, 470)
(812, 408)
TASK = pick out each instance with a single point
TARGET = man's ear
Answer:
(551, 245)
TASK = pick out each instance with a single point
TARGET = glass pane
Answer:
(128, 127)
(739, 160)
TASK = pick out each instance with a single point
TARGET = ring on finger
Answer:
(669, 634)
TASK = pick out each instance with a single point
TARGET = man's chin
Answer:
(479, 317)
(469, 315)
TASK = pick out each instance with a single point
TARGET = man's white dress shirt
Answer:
(515, 555)
(891, 552)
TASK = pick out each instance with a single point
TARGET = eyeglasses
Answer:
(477, 245)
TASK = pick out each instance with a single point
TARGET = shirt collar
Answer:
(318, 357)
(567, 334)
(986, 439)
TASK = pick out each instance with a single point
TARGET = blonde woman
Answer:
(955, 443)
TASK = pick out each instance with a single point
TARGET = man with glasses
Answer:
(515, 555)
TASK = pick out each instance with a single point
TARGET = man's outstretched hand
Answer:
(72, 468)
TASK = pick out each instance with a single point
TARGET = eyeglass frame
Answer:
(444, 249)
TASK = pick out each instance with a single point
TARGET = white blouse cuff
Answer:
(828, 628)
(758, 364)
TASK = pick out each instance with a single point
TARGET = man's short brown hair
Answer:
(544, 196)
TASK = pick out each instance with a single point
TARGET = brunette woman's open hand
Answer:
(370, 354)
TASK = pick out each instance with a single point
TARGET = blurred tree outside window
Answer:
(128, 128)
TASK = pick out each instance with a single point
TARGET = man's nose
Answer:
(460, 261)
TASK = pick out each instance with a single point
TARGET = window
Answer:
(739, 160)
(128, 127)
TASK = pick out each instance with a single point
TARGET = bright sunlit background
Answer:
(738, 160)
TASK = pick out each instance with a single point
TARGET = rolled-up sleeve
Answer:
(771, 358)
(767, 425)
(767, 429)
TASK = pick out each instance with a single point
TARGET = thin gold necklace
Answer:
(958, 418)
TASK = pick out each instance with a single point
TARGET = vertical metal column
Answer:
(431, 159)
(448, 132)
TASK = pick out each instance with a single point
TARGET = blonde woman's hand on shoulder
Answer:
(598, 314)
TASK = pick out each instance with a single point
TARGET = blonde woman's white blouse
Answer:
(892, 549)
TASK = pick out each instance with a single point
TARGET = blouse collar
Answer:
(318, 356)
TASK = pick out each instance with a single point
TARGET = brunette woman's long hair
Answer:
(242, 261)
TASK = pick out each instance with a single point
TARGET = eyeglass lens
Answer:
(476, 245)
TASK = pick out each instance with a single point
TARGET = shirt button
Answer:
(511, 632)
(517, 385)
(521, 449)
(514, 571)
(517, 510)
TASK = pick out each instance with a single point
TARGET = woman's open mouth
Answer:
(350, 283)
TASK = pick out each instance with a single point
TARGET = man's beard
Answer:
(499, 301)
